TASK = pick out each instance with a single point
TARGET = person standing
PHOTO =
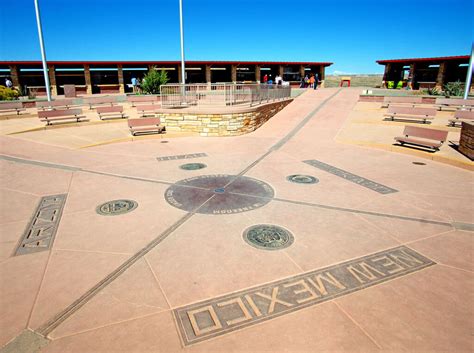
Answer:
(302, 82)
(311, 81)
(139, 86)
(8, 83)
(265, 79)
(270, 80)
(306, 81)
(316, 81)
(134, 84)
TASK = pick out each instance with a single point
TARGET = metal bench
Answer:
(66, 103)
(99, 101)
(12, 107)
(55, 115)
(148, 109)
(401, 100)
(455, 103)
(115, 111)
(408, 113)
(423, 137)
(145, 125)
(460, 116)
(143, 99)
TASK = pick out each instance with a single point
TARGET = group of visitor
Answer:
(267, 79)
(311, 81)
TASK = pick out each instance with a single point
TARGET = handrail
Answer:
(220, 94)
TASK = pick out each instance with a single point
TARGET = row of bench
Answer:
(136, 126)
(93, 102)
(440, 103)
(425, 114)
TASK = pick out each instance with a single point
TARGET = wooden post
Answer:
(257, 73)
(233, 72)
(14, 76)
(441, 76)
(120, 78)
(208, 73)
(87, 77)
(52, 80)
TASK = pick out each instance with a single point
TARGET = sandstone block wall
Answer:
(225, 124)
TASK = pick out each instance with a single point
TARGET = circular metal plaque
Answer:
(116, 207)
(302, 179)
(268, 237)
(219, 194)
(193, 166)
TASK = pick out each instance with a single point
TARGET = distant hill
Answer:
(360, 80)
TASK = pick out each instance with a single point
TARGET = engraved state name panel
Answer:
(39, 234)
(369, 184)
(217, 316)
(181, 156)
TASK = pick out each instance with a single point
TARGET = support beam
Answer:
(52, 80)
(281, 70)
(411, 75)
(440, 78)
(257, 73)
(233, 73)
(302, 72)
(208, 73)
(14, 76)
(87, 77)
(181, 75)
(386, 75)
(120, 78)
(322, 75)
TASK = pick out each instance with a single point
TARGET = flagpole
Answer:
(467, 86)
(183, 72)
(43, 54)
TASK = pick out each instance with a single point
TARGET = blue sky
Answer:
(352, 34)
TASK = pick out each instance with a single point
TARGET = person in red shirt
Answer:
(265, 78)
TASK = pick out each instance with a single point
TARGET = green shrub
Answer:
(454, 89)
(153, 80)
(8, 94)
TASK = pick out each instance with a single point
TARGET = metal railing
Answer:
(221, 94)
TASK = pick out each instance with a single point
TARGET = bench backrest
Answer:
(413, 111)
(59, 112)
(95, 100)
(143, 122)
(464, 114)
(113, 109)
(142, 99)
(13, 105)
(430, 134)
(413, 100)
(147, 107)
(55, 103)
(455, 101)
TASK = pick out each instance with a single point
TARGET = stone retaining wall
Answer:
(229, 122)
(466, 142)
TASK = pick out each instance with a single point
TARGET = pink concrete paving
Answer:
(115, 283)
